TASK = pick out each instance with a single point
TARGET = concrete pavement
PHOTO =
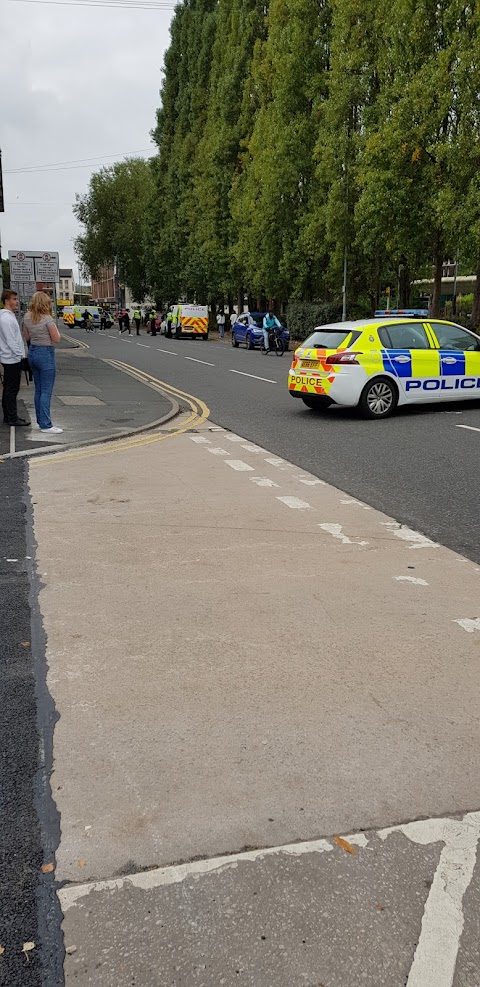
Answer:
(92, 401)
(419, 467)
(259, 660)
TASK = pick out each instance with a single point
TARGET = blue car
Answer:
(248, 329)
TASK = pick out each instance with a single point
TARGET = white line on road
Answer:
(170, 352)
(310, 481)
(410, 579)
(251, 448)
(199, 438)
(205, 362)
(235, 438)
(12, 439)
(163, 876)
(335, 530)
(216, 451)
(254, 376)
(238, 465)
(471, 428)
(442, 924)
(469, 624)
(295, 503)
(416, 539)
(261, 481)
(111, 337)
(145, 345)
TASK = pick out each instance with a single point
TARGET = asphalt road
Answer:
(420, 467)
(27, 903)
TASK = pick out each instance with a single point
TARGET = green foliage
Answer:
(6, 273)
(295, 133)
(113, 213)
(303, 317)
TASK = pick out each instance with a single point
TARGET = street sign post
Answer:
(32, 269)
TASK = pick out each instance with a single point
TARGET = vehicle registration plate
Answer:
(310, 364)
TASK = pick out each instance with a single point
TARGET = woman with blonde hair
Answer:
(41, 333)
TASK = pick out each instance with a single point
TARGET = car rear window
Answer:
(330, 339)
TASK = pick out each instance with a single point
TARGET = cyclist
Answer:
(270, 322)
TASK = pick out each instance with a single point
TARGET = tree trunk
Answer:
(475, 323)
(437, 283)
(240, 296)
(404, 283)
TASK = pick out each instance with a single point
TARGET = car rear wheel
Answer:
(234, 341)
(248, 342)
(316, 402)
(379, 398)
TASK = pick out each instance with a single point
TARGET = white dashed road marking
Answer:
(262, 481)
(238, 465)
(357, 503)
(416, 539)
(205, 362)
(295, 503)
(216, 451)
(146, 346)
(310, 481)
(170, 352)
(199, 438)
(471, 428)
(470, 625)
(235, 438)
(254, 376)
(410, 579)
(335, 530)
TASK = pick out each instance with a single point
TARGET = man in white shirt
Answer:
(221, 323)
(12, 353)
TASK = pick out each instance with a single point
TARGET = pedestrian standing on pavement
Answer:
(126, 321)
(153, 322)
(233, 319)
(137, 318)
(41, 332)
(12, 355)
(221, 323)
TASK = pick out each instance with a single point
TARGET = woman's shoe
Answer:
(53, 430)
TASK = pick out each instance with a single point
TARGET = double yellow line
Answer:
(198, 414)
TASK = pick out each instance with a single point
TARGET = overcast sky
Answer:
(75, 83)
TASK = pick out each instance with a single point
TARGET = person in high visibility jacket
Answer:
(137, 318)
(169, 323)
(153, 322)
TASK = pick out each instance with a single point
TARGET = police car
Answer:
(391, 359)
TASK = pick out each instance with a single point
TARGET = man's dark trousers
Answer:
(12, 373)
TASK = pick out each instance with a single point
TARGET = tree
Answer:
(113, 214)
(174, 268)
(6, 273)
(406, 175)
(228, 125)
(272, 196)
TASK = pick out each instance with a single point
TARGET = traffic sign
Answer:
(34, 265)
(21, 267)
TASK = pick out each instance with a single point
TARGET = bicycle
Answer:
(275, 342)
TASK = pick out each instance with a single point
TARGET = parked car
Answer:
(248, 329)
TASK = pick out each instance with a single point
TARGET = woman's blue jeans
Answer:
(42, 362)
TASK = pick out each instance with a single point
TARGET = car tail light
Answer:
(344, 356)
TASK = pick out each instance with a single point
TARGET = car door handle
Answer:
(402, 359)
(449, 359)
